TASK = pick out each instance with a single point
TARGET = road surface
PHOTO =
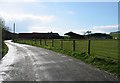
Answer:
(29, 63)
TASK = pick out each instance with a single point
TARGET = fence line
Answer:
(106, 48)
(52, 42)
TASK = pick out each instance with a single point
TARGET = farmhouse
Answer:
(74, 35)
(39, 35)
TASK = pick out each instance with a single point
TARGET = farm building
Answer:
(73, 35)
(39, 35)
(99, 36)
(117, 32)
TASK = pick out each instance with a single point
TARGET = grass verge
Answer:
(4, 49)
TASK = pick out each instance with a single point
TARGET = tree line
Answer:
(5, 32)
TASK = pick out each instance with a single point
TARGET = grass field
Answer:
(103, 54)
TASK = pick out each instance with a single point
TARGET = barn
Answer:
(39, 35)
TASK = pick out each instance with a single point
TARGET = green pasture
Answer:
(102, 48)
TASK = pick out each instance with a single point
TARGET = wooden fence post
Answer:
(45, 42)
(52, 42)
(40, 42)
(21, 40)
(32, 41)
(35, 41)
(61, 43)
(29, 42)
(89, 47)
(73, 45)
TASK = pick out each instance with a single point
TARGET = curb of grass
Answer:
(4, 49)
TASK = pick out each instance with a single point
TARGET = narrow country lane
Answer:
(29, 63)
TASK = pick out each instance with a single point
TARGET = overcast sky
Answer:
(60, 16)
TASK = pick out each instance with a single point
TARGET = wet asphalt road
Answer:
(29, 63)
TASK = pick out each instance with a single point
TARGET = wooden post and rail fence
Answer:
(44, 42)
